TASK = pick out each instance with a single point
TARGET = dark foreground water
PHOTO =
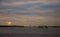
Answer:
(29, 32)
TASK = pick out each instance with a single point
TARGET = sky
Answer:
(30, 12)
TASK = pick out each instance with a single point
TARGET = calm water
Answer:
(29, 32)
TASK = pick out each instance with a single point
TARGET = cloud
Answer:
(51, 6)
(29, 13)
(19, 2)
(23, 2)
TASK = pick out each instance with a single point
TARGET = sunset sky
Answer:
(30, 12)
